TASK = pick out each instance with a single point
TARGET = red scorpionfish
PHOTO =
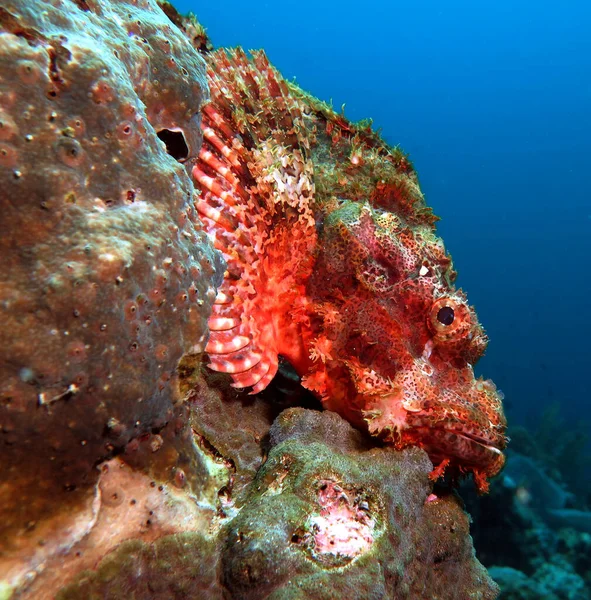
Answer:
(333, 263)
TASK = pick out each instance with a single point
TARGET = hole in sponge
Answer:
(175, 143)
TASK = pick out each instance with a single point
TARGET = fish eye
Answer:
(446, 315)
(449, 318)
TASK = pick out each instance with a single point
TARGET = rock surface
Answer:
(107, 278)
(329, 517)
(326, 516)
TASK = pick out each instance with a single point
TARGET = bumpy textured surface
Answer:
(180, 566)
(327, 516)
(107, 278)
(333, 262)
(161, 487)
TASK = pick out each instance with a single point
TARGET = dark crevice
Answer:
(175, 143)
(58, 53)
(82, 5)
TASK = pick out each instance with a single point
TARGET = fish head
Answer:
(394, 343)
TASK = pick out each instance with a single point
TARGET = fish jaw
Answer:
(462, 432)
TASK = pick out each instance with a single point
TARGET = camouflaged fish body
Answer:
(333, 262)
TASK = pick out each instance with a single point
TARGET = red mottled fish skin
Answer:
(333, 262)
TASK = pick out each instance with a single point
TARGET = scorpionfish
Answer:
(333, 263)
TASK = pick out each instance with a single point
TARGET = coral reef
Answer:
(129, 471)
(327, 516)
(550, 582)
(518, 586)
(533, 531)
(107, 276)
(534, 546)
(563, 448)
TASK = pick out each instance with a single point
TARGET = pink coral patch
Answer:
(343, 526)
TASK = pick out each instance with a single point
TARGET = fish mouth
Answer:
(480, 441)
(466, 449)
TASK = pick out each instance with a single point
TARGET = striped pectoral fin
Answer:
(226, 342)
(218, 323)
(255, 184)
(258, 377)
(234, 349)
(235, 362)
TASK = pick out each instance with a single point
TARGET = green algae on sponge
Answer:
(107, 277)
(327, 517)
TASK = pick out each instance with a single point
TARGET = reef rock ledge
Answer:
(124, 474)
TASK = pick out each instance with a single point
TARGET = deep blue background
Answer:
(492, 100)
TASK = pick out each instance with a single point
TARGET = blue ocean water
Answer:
(492, 100)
